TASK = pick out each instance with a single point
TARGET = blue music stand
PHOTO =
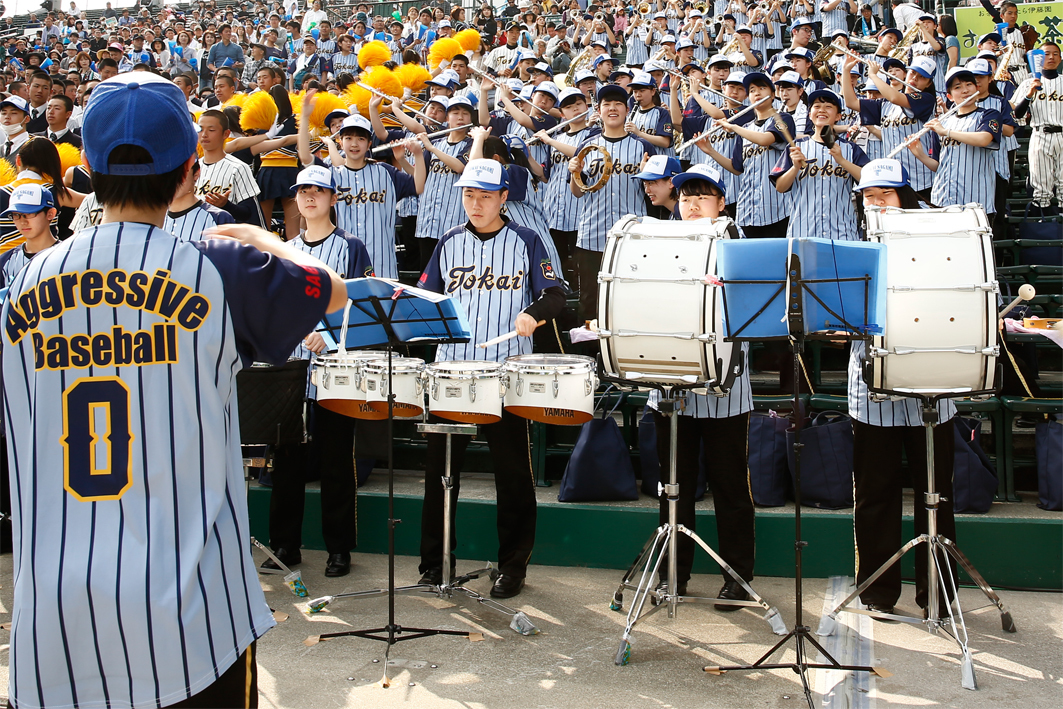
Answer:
(799, 289)
(382, 312)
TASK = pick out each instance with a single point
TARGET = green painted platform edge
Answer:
(1025, 553)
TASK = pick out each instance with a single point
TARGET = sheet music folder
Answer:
(383, 311)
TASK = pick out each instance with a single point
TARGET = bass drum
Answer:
(941, 298)
(658, 318)
(339, 381)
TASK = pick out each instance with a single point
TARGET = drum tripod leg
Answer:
(649, 562)
(617, 603)
(1007, 624)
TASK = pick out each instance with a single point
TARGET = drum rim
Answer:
(333, 359)
(398, 364)
(575, 363)
(477, 365)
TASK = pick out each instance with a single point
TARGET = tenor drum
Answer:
(658, 319)
(406, 379)
(551, 388)
(465, 391)
(339, 381)
(940, 335)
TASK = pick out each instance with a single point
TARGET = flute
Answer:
(533, 140)
(854, 55)
(413, 139)
(401, 104)
(702, 136)
(923, 131)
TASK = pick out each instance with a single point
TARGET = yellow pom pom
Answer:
(373, 53)
(324, 104)
(445, 48)
(413, 76)
(7, 173)
(468, 39)
(357, 99)
(258, 112)
(69, 156)
(238, 99)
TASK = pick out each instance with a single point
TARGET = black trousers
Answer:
(588, 264)
(877, 495)
(514, 489)
(237, 688)
(727, 476)
(565, 243)
(410, 258)
(767, 231)
(427, 248)
(331, 451)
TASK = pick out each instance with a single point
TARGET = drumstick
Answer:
(1026, 292)
(502, 338)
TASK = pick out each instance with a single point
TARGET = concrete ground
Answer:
(570, 664)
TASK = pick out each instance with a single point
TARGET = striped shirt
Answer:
(561, 206)
(494, 279)
(822, 192)
(759, 203)
(366, 208)
(655, 121)
(230, 174)
(898, 124)
(439, 206)
(345, 63)
(622, 194)
(134, 585)
(189, 224)
(967, 173)
(525, 209)
(1007, 142)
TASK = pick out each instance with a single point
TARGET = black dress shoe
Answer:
(338, 564)
(506, 586)
(731, 591)
(882, 608)
(288, 557)
(432, 577)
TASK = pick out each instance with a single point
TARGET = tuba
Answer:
(906, 42)
(582, 60)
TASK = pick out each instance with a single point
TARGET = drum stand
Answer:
(665, 541)
(519, 622)
(939, 569)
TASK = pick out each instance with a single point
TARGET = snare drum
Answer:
(338, 378)
(406, 379)
(940, 334)
(465, 391)
(659, 321)
(551, 388)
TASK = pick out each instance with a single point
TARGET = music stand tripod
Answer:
(519, 621)
(388, 315)
(939, 570)
(795, 317)
(665, 541)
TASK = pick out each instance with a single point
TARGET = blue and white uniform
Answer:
(439, 206)
(622, 193)
(366, 207)
(822, 204)
(232, 175)
(525, 209)
(759, 203)
(836, 19)
(494, 279)
(898, 124)
(123, 441)
(1007, 142)
(560, 205)
(189, 224)
(967, 173)
(655, 121)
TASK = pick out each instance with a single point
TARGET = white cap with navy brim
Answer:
(884, 172)
(316, 176)
(484, 174)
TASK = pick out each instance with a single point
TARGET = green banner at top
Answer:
(973, 22)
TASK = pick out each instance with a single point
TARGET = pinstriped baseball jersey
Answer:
(722, 142)
(1046, 106)
(622, 193)
(539, 152)
(439, 206)
(897, 125)
(1017, 67)
(500, 58)
(656, 122)
(739, 61)
(345, 63)
(693, 108)
(738, 401)
(759, 42)
(967, 173)
(366, 208)
(655, 42)
(759, 203)
(701, 52)
(525, 209)
(494, 279)
(189, 224)
(836, 19)
(637, 51)
(1007, 118)
(345, 254)
(822, 193)
(228, 174)
(799, 114)
(89, 214)
(561, 206)
(131, 561)
(905, 411)
(778, 21)
(925, 49)
(11, 262)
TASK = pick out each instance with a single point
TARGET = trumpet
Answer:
(645, 9)
(599, 17)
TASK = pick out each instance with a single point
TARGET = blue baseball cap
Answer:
(700, 172)
(542, 68)
(515, 142)
(642, 80)
(316, 176)
(759, 78)
(339, 112)
(979, 67)
(800, 53)
(720, 59)
(683, 43)
(801, 22)
(581, 76)
(827, 94)
(924, 66)
(549, 88)
(994, 36)
(893, 31)
(461, 102)
(622, 71)
(884, 172)
(601, 59)
(891, 63)
(659, 167)
(17, 102)
(29, 198)
(692, 65)
(484, 175)
(791, 78)
(116, 116)
(612, 91)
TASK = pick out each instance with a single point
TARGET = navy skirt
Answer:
(276, 182)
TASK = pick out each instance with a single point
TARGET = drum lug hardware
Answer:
(520, 385)
(878, 352)
(588, 387)
(605, 277)
(325, 377)
(991, 351)
(472, 390)
(435, 390)
(557, 385)
(707, 337)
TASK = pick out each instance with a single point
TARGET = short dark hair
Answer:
(43, 76)
(695, 188)
(222, 118)
(152, 191)
(68, 103)
(106, 62)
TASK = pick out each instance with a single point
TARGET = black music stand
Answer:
(801, 294)
(386, 313)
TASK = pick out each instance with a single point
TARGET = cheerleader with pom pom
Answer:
(280, 162)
